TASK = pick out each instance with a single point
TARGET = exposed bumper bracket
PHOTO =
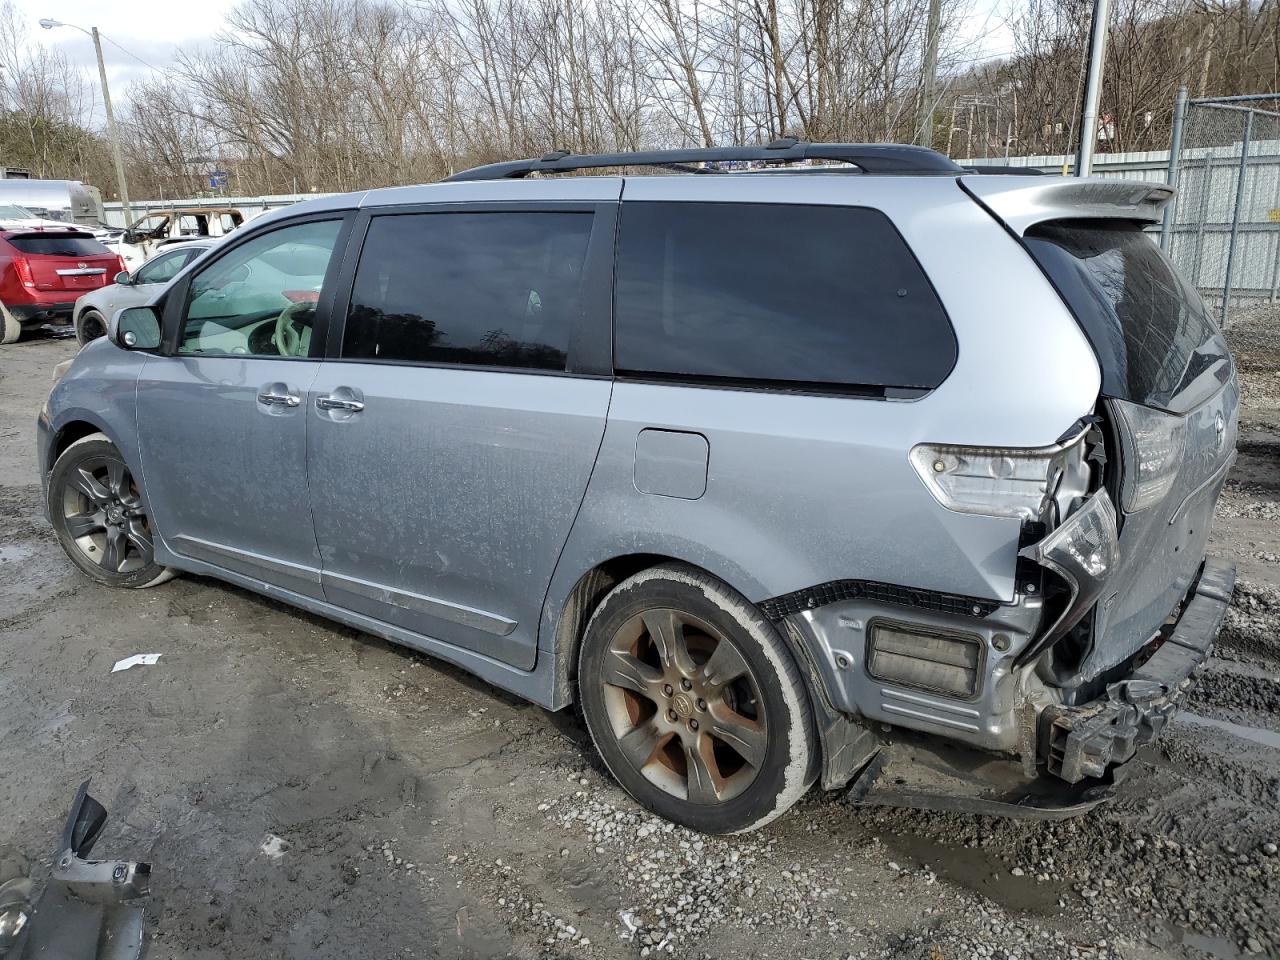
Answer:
(1084, 741)
(922, 773)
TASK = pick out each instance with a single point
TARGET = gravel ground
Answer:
(305, 790)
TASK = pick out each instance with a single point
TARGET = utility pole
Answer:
(122, 186)
(1093, 87)
(112, 131)
(929, 76)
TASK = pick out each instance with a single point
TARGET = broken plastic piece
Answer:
(90, 909)
(137, 660)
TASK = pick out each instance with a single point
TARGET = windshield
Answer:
(1155, 341)
(9, 211)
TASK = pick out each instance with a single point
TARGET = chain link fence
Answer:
(1223, 230)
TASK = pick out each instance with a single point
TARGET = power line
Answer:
(128, 51)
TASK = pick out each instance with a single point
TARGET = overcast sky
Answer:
(148, 29)
(151, 30)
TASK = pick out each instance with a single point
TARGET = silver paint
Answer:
(456, 511)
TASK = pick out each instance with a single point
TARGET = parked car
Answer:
(898, 482)
(147, 235)
(14, 217)
(131, 290)
(42, 272)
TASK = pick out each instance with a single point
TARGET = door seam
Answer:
(306, 470)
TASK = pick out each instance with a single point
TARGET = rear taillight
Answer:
(1152, 447)
(995, 481)
(24, 271)
(120, 266)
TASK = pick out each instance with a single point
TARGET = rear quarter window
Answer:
(777, 294)
(58, 245)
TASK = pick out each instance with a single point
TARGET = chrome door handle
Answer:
(279, 399)
(337, 403)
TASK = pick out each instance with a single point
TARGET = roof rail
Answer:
(875, 158)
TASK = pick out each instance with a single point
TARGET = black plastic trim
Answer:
(872, 158)
(835, 591)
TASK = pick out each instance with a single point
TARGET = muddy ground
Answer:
(308, 791)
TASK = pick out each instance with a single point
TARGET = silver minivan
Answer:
(858, 469)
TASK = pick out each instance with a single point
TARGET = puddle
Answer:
(980, 872)
(13, 553)
(1268, 738)
(1218, 947)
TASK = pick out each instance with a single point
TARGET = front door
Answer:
(451, 443)
(222, 419)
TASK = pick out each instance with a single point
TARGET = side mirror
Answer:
(122, 277)
(136, 328)
(84, 823)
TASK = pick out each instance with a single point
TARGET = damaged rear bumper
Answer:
(1085, 741)
(1082, 747)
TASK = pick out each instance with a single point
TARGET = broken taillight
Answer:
(995, 481)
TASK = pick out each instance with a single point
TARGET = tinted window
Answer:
(1155, 341)
(819, 295)
(59, 245)
(492, 289)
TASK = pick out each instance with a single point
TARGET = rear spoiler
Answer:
(44, 232)
(1023, 202)
(1000, 170)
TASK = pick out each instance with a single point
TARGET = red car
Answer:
(42, 272)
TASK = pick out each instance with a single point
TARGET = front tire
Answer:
(90, 326)
(100, 518)
(694, 702)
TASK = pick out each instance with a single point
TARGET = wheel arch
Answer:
(77, 314)
(75, 428)
(570, 620)
(843, 744)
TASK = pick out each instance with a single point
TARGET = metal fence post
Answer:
(1197, 259)
(1175, 151)
(1235, 214)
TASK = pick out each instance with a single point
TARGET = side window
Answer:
(488, 289)
(823, 295)
(161, 269)
(260, 298)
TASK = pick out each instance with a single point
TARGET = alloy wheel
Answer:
(684, 706)
(103, 513)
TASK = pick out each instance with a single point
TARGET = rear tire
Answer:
(695, 703)
(90, 325)
(100, 517)
(10, 328)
